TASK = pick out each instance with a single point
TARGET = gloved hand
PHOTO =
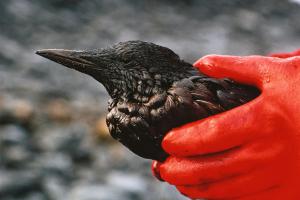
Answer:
(251, 152)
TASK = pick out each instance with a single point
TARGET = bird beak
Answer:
(71, 59)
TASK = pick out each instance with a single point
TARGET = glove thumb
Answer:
(244, 69)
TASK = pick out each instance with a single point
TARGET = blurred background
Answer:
(53, 139)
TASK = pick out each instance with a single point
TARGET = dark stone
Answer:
(18, 184)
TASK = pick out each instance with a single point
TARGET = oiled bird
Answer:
(152, 91)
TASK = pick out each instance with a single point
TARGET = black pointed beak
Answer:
(71, 59)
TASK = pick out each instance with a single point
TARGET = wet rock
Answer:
(101, 129)
(1, 101)
(49, 139)
(76, 144)
(85, 191)
(16, 156)
(59, 110)
(16, 112)
(54, 164)
(12, 135)
(70, 139)
(117, 155)
(131, 183)
(23, 111)
(18, 184)
(34, 196)
(14, 146)
(54, 187)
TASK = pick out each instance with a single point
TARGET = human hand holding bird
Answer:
(251, 152)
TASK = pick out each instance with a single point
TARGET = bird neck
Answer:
(136, 91)
(140, 86)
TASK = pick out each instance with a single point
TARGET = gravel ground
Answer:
(53, 141)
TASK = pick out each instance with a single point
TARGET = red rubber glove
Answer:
(251, 152)
(286, 55)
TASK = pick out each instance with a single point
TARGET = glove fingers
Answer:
(211, 168)
(285, 55)
(223, 131)
(234, 187)
(245, 69)
(155, 170)
(273, 193)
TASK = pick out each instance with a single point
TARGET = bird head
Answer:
(132, 70)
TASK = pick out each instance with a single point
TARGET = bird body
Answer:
(152, 91)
